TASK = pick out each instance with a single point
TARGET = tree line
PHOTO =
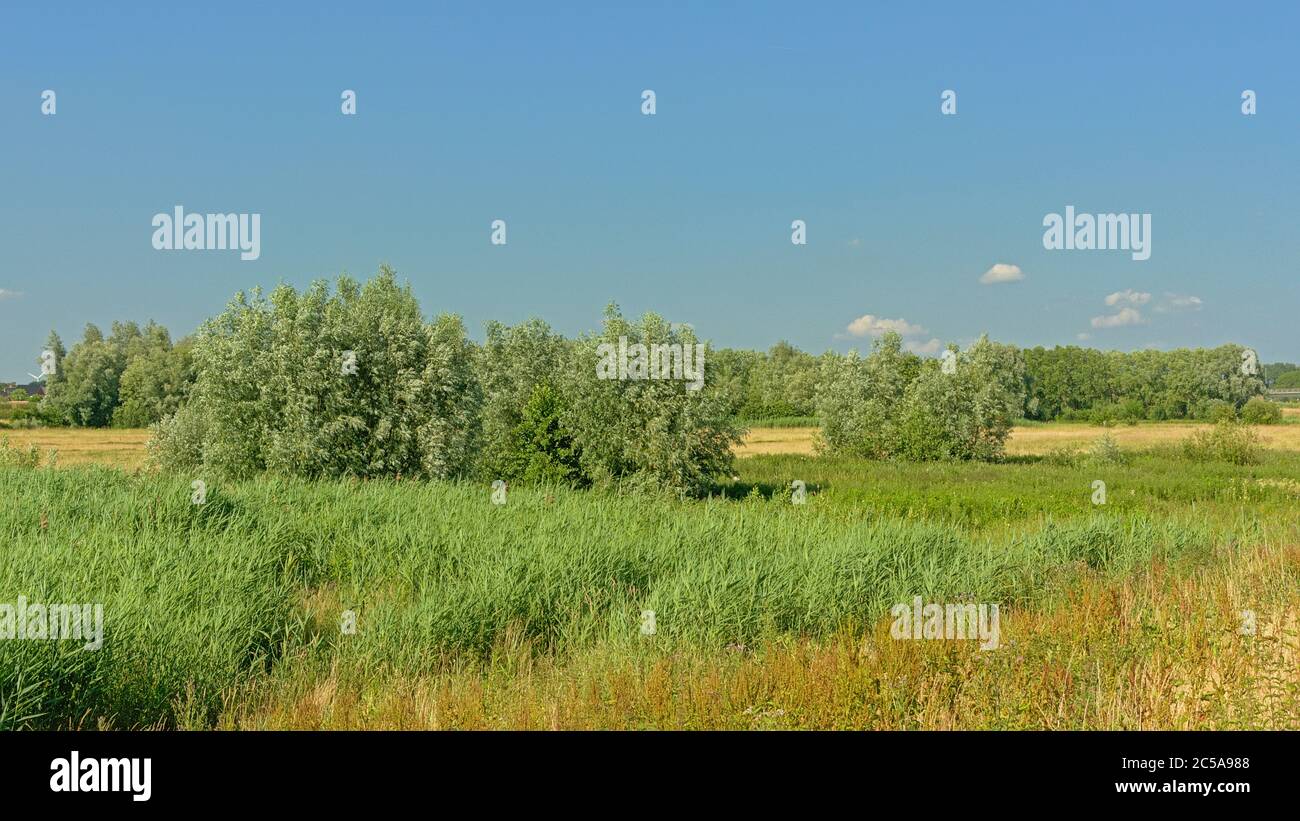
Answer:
(266, 386)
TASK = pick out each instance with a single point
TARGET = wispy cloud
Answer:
(5, 293)
(1002, 272)
(924, 348)
(1125, 316)
(1128, 296)
(871, 325)
(1179, 302)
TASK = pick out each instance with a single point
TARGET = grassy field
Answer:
(110, 447)
(1040, 439)
(125, 448)
(769, 614)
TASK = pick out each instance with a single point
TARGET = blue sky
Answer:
(766, 113)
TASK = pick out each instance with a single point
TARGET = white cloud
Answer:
(1179, 302)
(1128, 296)
(1083, 337)
(1125, 316)
(855, 242)
(5, 293)
(1002, 272)
(925, 348)
(869, 325)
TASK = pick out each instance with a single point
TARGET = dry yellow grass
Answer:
(124, 448)
(1092, 660)
(111, 447)
(777, 440)
(1035, 441)
(1040, 439)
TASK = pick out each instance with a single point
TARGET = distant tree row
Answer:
(262, 387)
(1082, 383)
(779, 383)
(1069, 383)
(132, 378)
(1282, 375)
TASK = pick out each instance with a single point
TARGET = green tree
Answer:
(512, 365)
(659, 432)
(274, 390)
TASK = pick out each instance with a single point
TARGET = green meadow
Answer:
(332, 603)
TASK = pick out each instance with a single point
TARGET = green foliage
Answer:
(519, 368)
(194, 598)
(776, 384)
(155, 383)
(889, 405)
(1075, 383)
(202, 601)
(272, 392)
(1105, 452)
(1282, 375)
(14, 458)
(1216, 410)
(544, 451)
(129, 379)
(657, 432)
(860, 400)
(782, 422)
(1288, 380)
(1228, 441)
(86, 395)
(1260, 411)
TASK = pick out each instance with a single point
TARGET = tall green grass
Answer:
(199, 599)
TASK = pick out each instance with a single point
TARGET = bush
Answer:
(661, 432)
(890, 406)
(544, 450)
(967, 414)
(1106, 451)
(860, 399)
(1217, 410)
(1228, 441)
(1260, 411)
(272, 391)
(520, 368)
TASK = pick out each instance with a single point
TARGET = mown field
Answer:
(769, 614)
(125, 448)
(1042, 438)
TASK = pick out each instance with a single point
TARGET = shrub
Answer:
(1260, 411)
(860, 399)
(1217, 410)
(1228, 441)
(520, 368)
(967, 414)
(544, 450)
(890, 406)
(652, 431)
(155, 383)
(29, 458)
(1106, 451)
(272, 392)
